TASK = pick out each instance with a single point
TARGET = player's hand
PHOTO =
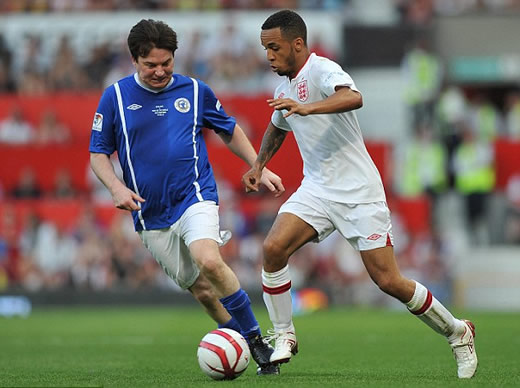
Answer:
(126, 199)
(251, 180)
(289, 105)
(273, 182)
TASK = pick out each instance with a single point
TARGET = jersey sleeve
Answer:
(327, 75)
(214, 116)
(279, 121)
(102, 136)
(277, 117)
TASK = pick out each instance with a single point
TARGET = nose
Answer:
(270, 56)
(159, 71)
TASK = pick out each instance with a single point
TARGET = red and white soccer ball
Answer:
(223, 354)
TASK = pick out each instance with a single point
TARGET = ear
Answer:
(298, 44)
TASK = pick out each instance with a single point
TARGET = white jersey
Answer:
(336, 164)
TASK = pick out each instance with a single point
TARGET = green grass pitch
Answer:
(156, 347)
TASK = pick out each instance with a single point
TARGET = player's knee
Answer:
(210, 265)
(273, 252)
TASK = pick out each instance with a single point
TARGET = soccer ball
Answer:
(223, 354)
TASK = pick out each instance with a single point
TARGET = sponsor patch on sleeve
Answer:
(97, 125)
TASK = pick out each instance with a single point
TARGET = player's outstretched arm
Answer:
(240, 145)
(273, 139)
(343, 100)
(123, 197)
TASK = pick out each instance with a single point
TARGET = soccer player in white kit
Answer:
(341, 189)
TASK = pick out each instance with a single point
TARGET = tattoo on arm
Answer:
(271, 142)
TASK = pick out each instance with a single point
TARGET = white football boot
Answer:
(285, 345)
(464, 351)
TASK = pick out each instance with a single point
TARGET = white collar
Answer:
(141, 84)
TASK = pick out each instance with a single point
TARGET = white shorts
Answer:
(365, 225)
(169, 246)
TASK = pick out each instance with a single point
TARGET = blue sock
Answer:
(231, 324)
(239, 306)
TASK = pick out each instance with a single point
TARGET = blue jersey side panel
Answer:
(167, 153)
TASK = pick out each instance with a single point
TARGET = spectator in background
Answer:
(50, 130)
(475, 181)
(451, 113)
(63, 187)
(27, 186)
(423, 73)
(512, 112)
(14, 129)
(423, 166)
(484, 119)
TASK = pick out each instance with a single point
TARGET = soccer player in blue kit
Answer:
(154, 120)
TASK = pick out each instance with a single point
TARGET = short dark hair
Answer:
(291, 25)
(149, 34)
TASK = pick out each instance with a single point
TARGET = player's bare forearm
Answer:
(104, 170)
(343, 100)
(240, 145)
(123, 197)
(271, 143)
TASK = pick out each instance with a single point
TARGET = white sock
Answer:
(433, 313)
(277, 298)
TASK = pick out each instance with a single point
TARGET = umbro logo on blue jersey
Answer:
(134, 107)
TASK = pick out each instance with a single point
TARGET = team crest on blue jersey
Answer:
(97, 125)
(182, 105)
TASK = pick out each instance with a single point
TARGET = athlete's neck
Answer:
(301, 61)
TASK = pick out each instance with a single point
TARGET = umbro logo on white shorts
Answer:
(134, 107)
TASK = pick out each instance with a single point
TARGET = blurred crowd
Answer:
(225, 60)
(450, 148)
(411, 10)
(113, 5)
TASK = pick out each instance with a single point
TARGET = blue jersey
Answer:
(158, 138)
